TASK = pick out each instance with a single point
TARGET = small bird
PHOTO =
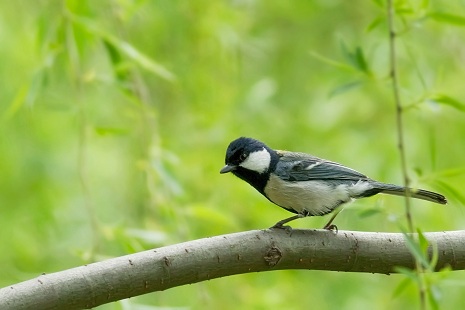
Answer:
(305, 184)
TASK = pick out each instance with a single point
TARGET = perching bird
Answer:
(305, 184)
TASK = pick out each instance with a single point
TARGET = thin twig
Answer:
(400, 143)
(399, 120)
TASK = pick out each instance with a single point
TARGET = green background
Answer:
(115, 117)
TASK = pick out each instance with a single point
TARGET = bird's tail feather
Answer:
(397, 190)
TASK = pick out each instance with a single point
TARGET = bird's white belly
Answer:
(315, 197)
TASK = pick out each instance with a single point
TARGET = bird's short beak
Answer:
(228, 168)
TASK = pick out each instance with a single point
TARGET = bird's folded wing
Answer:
(304, 167)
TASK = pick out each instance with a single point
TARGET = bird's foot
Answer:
(331, 227)
(280, 225)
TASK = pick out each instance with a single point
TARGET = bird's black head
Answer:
(250, 160)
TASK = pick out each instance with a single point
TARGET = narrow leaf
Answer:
(379, 3)
(355, 58)
(344, 88)
(404, 284)
(125, 48)
(110, 131)
(121, 72)
(452, 172)
(422, 241)
(374, 24)
(416, 251)
(361, 60)
(434, 295)
(17, 102)
(330, 61)
(454, 103)
(457, 194)
(448, 18)
(411, 274)
(369, 212)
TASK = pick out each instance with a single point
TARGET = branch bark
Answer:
(204, 259)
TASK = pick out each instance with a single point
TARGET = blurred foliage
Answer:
(115, 116)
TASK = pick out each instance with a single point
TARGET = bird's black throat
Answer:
(258, 180)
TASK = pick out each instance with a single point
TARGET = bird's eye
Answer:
(242, 157)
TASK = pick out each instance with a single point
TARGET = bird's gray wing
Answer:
(304, 167)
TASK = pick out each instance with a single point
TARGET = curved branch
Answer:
(204, 259)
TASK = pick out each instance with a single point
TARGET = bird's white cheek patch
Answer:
(257, 161)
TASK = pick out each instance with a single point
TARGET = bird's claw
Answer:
(331, 227)
(279, 225)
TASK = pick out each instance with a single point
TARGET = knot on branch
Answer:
(273, 256)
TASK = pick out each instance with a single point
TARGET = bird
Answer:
(305, 184)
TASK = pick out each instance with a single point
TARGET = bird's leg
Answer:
(287, 220)
(329, 225)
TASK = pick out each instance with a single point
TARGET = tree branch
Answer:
(204, 259)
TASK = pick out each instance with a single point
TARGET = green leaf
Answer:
(448, 18)
(405, 283)
(433, 297)
(330, 61)
(369, 212)
(17, 102)
(355, 58)
(103, 131)
(411, 274)
(424, 245)
(361, 60)
(425, 4)
(454, 103)
(121, 71)
(452, 172)
(457, 194)
(375, 23)
(344, 88)
(416, 250)
(125, 48)
(379, 3)
(422, 241)
(115, 56)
